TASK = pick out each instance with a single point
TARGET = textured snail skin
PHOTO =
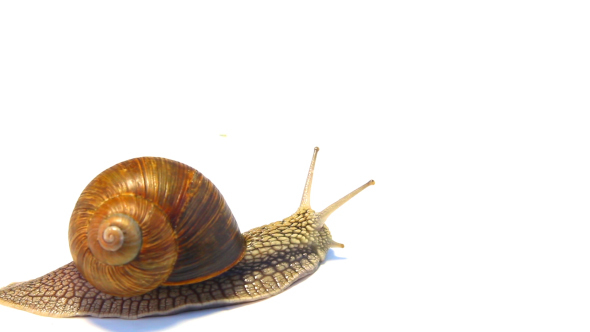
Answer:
(277, 255)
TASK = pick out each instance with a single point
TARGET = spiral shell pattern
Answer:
(152, 221)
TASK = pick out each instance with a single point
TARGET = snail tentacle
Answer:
(307, 188)
(323, 216)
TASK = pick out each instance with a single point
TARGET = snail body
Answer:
(247, 267)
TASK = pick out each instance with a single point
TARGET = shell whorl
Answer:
(117, 230)
(152, 221)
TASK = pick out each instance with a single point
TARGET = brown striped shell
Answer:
(152, 221)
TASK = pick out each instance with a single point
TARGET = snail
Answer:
(151, 236)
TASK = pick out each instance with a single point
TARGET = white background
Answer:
(471, 117)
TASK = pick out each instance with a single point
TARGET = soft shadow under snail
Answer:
(152, 236)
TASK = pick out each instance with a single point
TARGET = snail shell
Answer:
(148, 222)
